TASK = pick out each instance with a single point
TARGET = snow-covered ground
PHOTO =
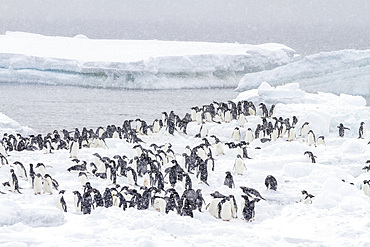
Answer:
(338, 215)
(142, 64)
(345, 71)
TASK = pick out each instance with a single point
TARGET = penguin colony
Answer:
(156, 177)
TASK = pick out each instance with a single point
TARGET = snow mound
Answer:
(8, 125)
(336, 72)
(140, 64)
(11, 213)
(324, 111)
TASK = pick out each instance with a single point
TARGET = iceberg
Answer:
(344, 71)
(133, 64)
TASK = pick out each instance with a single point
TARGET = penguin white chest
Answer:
(226, 213)
(219, 148)
(130, 178)
(239, 166)
(236, 135)
(310, 139)
(249, 136)
(213, 207)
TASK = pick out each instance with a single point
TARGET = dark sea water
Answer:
(45, 108)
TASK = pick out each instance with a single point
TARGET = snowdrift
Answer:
(134, 64)
(345, 71)
(8, 125)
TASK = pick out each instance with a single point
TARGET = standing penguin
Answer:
(48, 184)
(219, 147)
(304, 129)
(224, 209)
(248, 209)
(60, 202)
(271, 183)
(77, 198)
(311, 140)
(239, 165)
(21, 170)
(236, 134)
(249, 135)
(361, 131)
(13, 181)
(341, 129)
(73, 149)
(37, 184)
(108, 198)
(229, 181)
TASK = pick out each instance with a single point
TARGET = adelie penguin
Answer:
(13, 181)
(311, 158)
(361, 131)
(60, 202)
(236, 134)
(306, 198)
(311, 139)
(77, 199)
(341, 129)
(73, 149)
(248, 209)
(239, 166)
(271, 183)
(229, 181)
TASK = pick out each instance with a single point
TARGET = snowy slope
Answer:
(345, 71)
(338, 215)
(32, 58)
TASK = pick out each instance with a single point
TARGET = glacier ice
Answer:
(137, 64)
(345, 71)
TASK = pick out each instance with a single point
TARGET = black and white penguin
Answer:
(271, 183)
(48, 184)
(60, 202)
(13, 181)
(291, 134)
(239, 166)
(249, 137)
(341, 129)
(366, 187)
(304, 129)
(74, 148)
(3, 160)
(108, 198)
(224, 209)
(311, 158)
(236, 134)
(361, 131)
(306, 198)
(77, 199)
(311, 139)
(229, 181)
(21, 170)
(41, 169)
(3, 150)
(248, 209)
(241, 120)
(31, 175)
(320, 141)
(131, 176)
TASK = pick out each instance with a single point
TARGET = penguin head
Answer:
(62, 191)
